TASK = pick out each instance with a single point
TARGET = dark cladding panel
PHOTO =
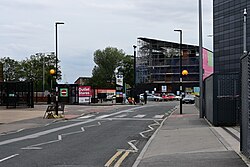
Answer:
(1, 72)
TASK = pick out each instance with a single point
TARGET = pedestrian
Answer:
(145, 97)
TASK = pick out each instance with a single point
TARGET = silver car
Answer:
(151, 97)
(189, 99)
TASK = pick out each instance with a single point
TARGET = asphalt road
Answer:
(112, 138)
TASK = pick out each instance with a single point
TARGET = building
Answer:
(1, 72)
(82, 80)
(230, 103)
(228, 34)
(158, 66)
(222, 89)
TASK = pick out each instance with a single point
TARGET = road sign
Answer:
(63, 92)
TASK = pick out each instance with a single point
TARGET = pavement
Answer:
(189, 141)
(181, 140)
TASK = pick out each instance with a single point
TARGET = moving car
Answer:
(169, 97)
(188, 99)
(178, 97)
(151, 97)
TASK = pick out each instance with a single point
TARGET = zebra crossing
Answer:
(122, 115)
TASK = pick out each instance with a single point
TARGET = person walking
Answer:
(145, 97)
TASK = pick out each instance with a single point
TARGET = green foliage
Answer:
(35, 68)
(11, 69)
(107, 61)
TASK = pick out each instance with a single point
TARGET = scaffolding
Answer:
(158, 64)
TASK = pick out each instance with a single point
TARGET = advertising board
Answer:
(84, 94)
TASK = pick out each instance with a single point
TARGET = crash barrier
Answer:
(51, 110)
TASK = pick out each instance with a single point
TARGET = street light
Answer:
(245, 32)
(134, 46)
(180, 68)
(201, 61)
(56, 107)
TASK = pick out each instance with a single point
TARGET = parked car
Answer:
(188, 99)
(110, 97)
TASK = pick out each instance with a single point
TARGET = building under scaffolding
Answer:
(158, 65)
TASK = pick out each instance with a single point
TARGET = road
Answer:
(112, 138)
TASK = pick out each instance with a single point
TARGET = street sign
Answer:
(63, 92)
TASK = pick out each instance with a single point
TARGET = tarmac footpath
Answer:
(189, 141)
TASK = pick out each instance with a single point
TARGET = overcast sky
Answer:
(28, 27)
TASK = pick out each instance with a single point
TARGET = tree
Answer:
(37, 65)
(107, 61)
(127, 69)
(11, 69)
(31, 68)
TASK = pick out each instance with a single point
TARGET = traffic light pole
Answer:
(180, 68)
(56, 107)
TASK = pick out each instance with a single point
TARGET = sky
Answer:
(27, 27)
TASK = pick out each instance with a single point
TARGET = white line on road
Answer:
(9, 157)
(46, 132)
(150, 128)
(158, 116)
(132, 145)
(59, 138)
(121, 116)
(139, 116)
(86, 116)
(132, 119)
(31, 148)
(103, 116)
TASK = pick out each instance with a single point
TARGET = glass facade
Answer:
(158, 64)
(228, 34)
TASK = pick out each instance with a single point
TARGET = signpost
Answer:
(64, 92)
(84, 94)
(119, 88)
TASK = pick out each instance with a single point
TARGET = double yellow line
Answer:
(120, 153)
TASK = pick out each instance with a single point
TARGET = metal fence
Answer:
(222, 99)
(13, 94)
(245, 111)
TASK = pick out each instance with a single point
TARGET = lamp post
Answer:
(180, 68)
(56, 107)
(245, 32)
(201, 61)
(134, 46)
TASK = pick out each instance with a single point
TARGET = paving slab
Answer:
(185, 140)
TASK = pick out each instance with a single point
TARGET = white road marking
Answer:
(158, 116)
(9, 157)
(31, 148)
(121, 116)
(86, 116)
(132, 119)
(46, 132)
(59, 138)
(150, 128)
(132, 145)
(139, 116)
(103, 116)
